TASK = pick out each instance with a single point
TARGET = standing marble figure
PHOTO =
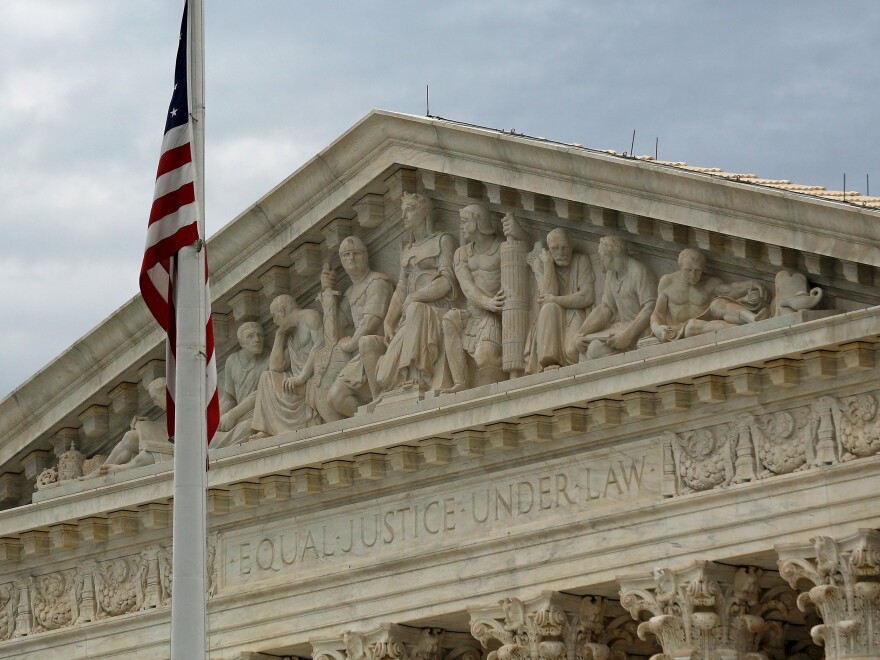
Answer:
(623, 315)
(425, 291)
(364, 305)
(472, 336)
(241, 377)
(565, 293)
(281, 403)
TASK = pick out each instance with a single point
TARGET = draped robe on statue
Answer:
(555, 330)
(276, 411)
(418, 341)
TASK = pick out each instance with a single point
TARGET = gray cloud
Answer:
(785, 89)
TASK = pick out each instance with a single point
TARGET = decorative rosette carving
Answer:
(119, 586)
(48, 477)
(859, 425)
(8, 601)
(781, 440)
(704, 456)
(52, 601)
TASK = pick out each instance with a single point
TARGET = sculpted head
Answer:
(250, 337)
(281, 306)
(156, 390)
(692, 263)
(416, 208)
(612, 253)
(353, 254)
(475, 218)
(559, 245)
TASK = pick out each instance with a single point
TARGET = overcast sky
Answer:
(786, 89)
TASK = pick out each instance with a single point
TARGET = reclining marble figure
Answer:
(280, 402)
(239, 393)
(364, 305)
(623, 315)
(472, 336)
(689, 303)
(146, 441)
(425, 291)
(566, 292)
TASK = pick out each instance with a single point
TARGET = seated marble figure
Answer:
(425, 291)
(689, 303)
(363, 306)
(146, 441)
(238, 395)
(280, 403)
(565, 295)
(623, 315)
(472, 336)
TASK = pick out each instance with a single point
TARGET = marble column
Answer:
(840, 579)
(707, 611)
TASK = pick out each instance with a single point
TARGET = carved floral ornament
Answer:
(554, 627)
(707, 612)
(841, 580)
(396, 642)
(92, 591)
(828, 431)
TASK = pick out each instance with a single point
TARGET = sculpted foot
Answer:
(458, 387)
(259, 435)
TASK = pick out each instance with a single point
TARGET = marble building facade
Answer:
(484, 396)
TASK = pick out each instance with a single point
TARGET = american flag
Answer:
(173, 225)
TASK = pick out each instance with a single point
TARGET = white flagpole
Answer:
(189, 581)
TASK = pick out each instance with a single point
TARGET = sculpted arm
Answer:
(545, 273)
(278, 357)
(227, 395)
(647, 292)
(379, 293)
(466, 281)
(659, 317)
(440, 286)
(599, 319)
(634, 330)
(734, 290)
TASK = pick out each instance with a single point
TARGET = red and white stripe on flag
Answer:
(173, 224)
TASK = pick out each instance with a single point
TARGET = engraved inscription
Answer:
(334, 543)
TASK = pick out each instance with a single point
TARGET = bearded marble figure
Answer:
(689, 303)
(623, 315)
(364, 305)
(239, 394)
(425, 292)
(146, 441)
(565, 294)
(472, 336)
(281, 402)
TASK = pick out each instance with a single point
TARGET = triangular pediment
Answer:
(354, 186)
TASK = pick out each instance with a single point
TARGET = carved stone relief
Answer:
(553, 627)
(839, 579)
(828, 431)
(706, 612)
(395, 642)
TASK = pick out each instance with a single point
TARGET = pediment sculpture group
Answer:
(461, 316)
